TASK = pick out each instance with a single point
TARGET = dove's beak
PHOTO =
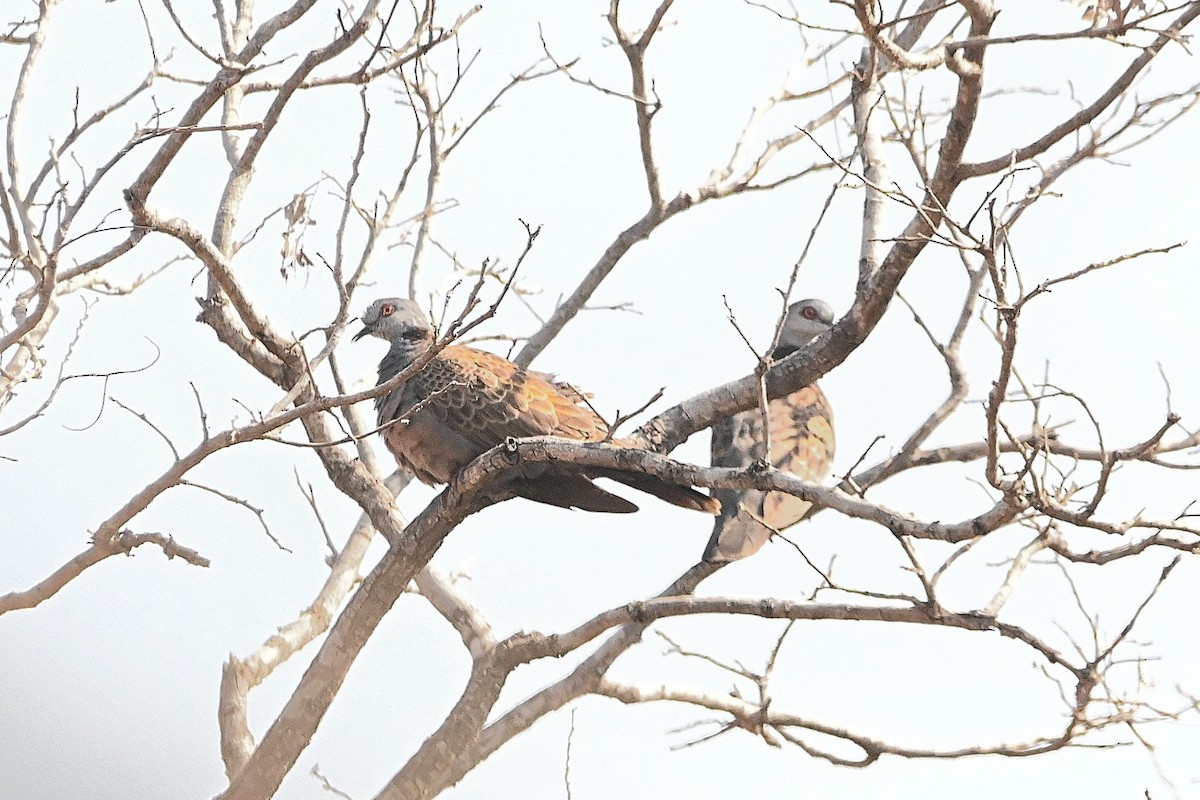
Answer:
(361, 334)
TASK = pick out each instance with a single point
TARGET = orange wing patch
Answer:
(802, 443)
(488, 398)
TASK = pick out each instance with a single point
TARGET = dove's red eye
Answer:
(387, 310)
(810, 313)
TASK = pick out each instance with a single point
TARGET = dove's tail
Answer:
(572, 491)
(682, 496)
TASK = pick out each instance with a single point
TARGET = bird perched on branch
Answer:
(802, 443)
(466, 401)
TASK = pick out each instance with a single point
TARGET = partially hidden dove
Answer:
(802, 443)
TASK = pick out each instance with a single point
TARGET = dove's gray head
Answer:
(805, 321)
(397, 320)
(402, 323)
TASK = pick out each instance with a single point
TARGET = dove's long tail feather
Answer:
(682, 496)
(572, 491)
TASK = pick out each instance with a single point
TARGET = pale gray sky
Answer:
(111, 686)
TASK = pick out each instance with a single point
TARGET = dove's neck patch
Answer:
(402, 353)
